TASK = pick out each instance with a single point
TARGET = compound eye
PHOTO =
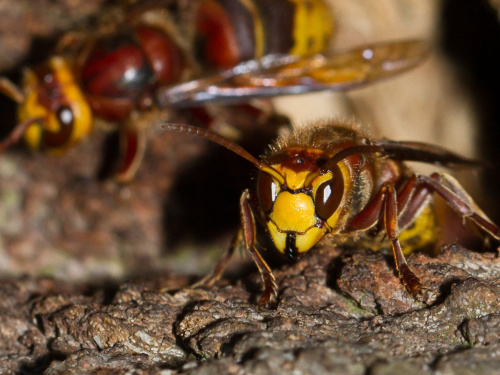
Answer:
(65, 116)
(62, 137)
(328, 198)
(267, 191)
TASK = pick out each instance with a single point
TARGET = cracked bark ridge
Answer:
(339, 313)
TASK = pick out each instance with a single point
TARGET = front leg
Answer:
(411, 281)
(387, 203)
(249, 233)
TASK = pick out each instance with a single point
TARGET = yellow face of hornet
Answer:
(308, 205)
(54, 98)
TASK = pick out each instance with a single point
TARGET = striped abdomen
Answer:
(231, 31)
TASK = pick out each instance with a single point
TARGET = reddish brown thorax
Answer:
(121, 72)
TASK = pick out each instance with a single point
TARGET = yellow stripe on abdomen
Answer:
(313, 26)
(421, 234)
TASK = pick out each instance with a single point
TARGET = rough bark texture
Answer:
(338, 313)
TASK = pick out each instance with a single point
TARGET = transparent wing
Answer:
(287, 75)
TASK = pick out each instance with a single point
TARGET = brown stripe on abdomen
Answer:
(277, 18)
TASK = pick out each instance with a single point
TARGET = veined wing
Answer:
(276, 75)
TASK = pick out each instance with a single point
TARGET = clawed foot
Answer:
(412, 283)
(269, 299)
